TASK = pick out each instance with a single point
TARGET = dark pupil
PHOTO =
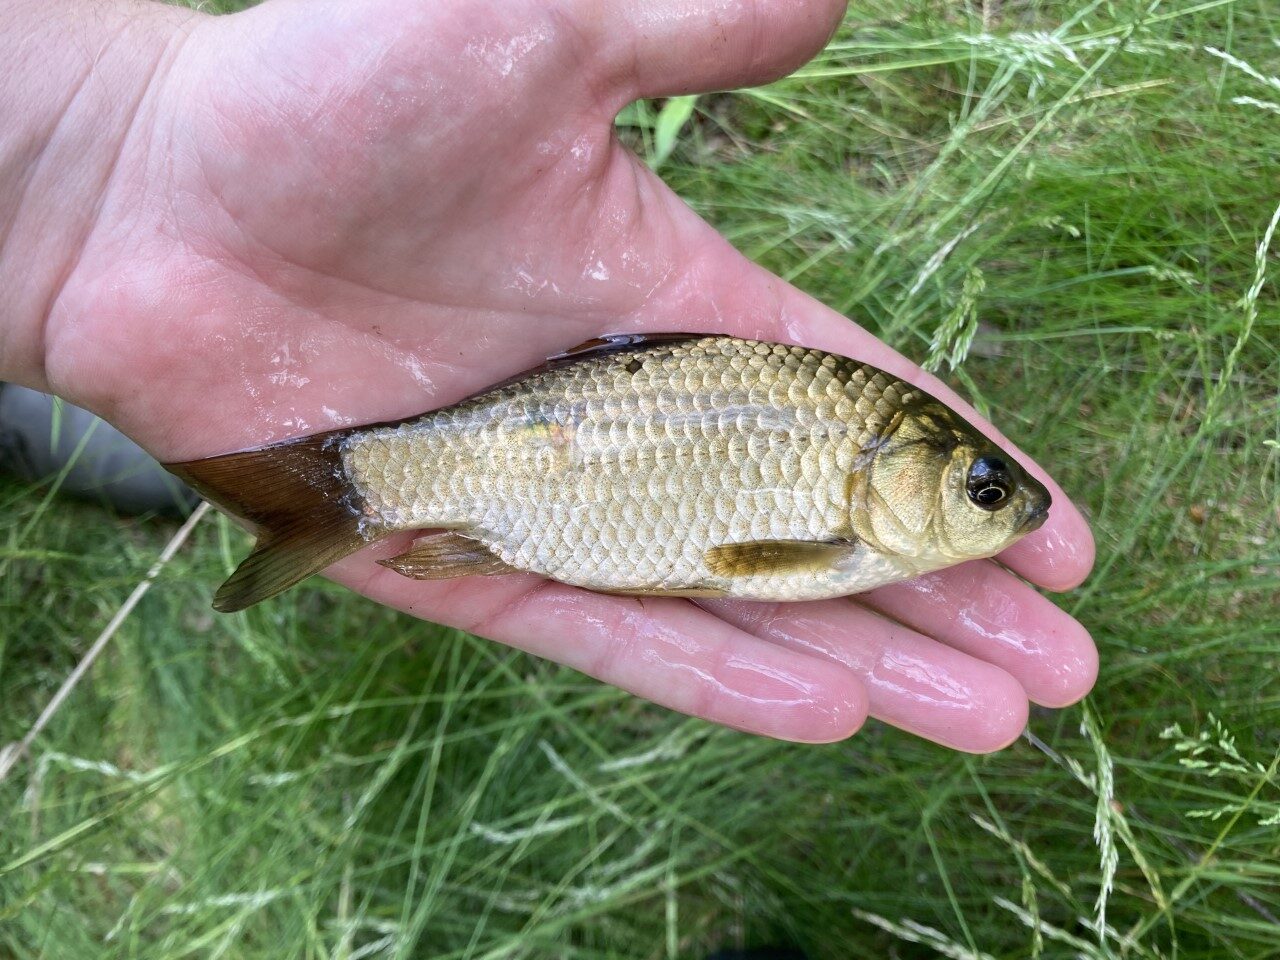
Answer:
(989, 484)
(990, 495)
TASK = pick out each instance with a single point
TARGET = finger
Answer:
(1060, 554)
(992, 615)
(658, 48)
(719, 290)
(912, 682)
(663, 649)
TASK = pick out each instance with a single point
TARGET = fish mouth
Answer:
(1035, 513)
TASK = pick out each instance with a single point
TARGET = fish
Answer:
(692, 465)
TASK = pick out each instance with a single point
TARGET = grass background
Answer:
(1060, 207)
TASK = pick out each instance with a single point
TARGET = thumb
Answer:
(657, 48)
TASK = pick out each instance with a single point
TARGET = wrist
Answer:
(79, 78)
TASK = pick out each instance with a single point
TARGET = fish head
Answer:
(935, 491)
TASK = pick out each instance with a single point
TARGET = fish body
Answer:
(683, 465)
(621, 471)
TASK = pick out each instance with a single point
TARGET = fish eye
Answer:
(989, 483)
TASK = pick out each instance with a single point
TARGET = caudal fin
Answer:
(296, 497)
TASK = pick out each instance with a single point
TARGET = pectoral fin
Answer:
(440, 556)
(776, 557)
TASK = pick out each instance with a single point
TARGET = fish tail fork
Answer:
(297, 499)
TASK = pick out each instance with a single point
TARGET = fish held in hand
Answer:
(658, 464)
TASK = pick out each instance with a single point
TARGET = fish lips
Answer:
(1035, 511)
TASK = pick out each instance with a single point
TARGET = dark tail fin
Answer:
(300, 504)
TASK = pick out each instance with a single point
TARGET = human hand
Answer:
(332, 213)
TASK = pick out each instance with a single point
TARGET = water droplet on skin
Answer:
(502, 53)
(582, 151)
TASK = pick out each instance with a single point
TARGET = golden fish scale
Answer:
(619, 471)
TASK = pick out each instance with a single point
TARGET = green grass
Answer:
(1069, 205)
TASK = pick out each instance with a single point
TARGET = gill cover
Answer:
(936, 490)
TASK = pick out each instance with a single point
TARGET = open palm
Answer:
(341, 211)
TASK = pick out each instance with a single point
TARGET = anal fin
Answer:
(441, 556)
(776, 557)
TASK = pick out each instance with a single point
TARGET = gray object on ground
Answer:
(38, 443)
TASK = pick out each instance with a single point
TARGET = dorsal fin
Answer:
(602, 346)
(621, 343)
